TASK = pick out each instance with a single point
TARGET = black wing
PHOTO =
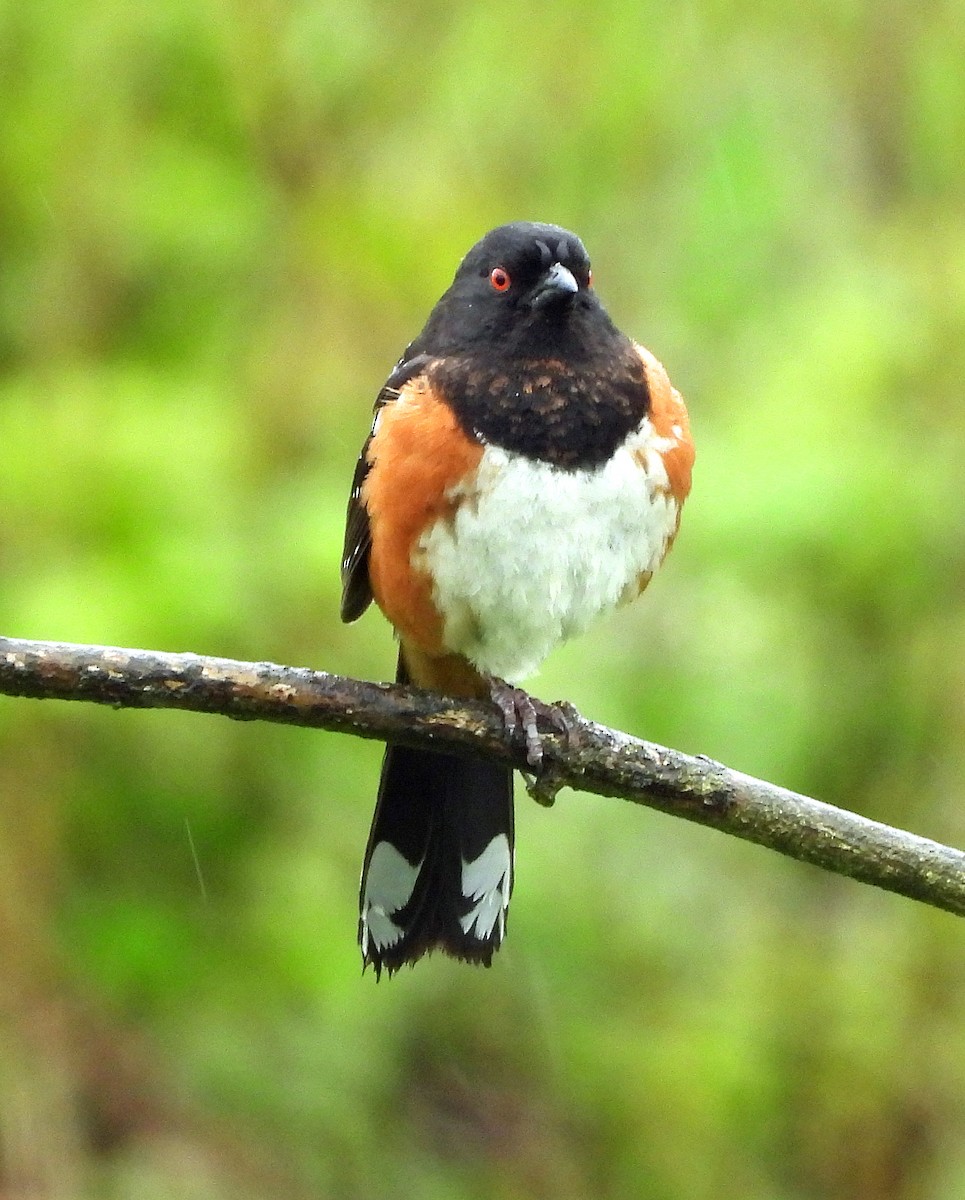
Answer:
(356, 589)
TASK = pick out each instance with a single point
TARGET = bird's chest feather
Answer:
(530, 553)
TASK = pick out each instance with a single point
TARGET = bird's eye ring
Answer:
(499, 279)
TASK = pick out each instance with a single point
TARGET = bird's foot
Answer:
(522, 712)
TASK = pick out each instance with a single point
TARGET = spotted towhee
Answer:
(524, 474)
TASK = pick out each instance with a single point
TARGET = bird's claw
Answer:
(521, 712)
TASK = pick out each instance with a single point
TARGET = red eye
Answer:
(589, 279)
(499, 278)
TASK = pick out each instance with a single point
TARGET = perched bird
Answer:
(524, 475)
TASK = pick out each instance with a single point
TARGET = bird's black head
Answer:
(525, 354)
(525, 288)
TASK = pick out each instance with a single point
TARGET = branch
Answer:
(595, 759)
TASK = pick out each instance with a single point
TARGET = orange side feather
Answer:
(417, 454)
(669, 416)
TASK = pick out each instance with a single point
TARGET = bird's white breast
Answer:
(533, 553)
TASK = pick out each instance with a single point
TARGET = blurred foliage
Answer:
(219, 224)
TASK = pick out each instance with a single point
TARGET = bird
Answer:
(523, 476)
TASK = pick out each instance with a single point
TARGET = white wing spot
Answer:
(486, 880)
(389, 883)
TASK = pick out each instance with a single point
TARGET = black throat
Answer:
(573, 414)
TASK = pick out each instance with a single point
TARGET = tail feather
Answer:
(438, 868)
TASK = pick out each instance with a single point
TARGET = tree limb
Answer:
(595, 759)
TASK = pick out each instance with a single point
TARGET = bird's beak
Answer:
(557, 284)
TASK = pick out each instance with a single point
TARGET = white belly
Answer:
(534, 554)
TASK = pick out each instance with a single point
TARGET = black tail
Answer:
(438, 868)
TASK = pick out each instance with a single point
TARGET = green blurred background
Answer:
(219, 225)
